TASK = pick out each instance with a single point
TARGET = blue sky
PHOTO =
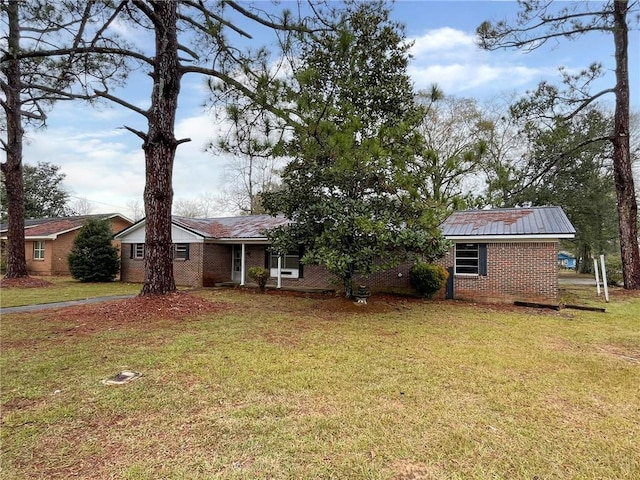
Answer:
(104, 163)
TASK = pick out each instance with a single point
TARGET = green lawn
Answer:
(63, 289)
(302, 388)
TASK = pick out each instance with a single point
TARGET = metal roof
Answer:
(247, 226)
(532, 221)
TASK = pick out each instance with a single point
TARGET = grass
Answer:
(63, 289)
(291, 388)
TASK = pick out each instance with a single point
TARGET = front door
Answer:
(236, 270)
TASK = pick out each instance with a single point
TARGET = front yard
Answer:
(238, 385)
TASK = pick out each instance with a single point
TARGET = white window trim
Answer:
(38, 250)
(138, 254)
(477, 259)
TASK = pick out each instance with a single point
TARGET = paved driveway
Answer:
(70, 303)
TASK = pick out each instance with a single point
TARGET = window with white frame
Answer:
(38, 250)
(137, 251)
(467, 259)
(181, 251)
(471, 259)
(289, 265)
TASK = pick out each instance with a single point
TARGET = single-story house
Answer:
(48, 241)
(497, 255)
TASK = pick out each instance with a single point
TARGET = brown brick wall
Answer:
(38, 267)
(515, 271)
(216, 264)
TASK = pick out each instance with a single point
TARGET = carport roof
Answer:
(532, 222)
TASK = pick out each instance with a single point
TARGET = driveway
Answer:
(70, 303)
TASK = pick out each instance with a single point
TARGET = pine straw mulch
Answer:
(24, 282)
(133, 312)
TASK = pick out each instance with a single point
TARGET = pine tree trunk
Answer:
(12, 167)
(160, 148)
(623, 174)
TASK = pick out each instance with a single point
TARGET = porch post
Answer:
(242, 267)
(279, 272)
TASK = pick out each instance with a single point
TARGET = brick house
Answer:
(497, 255)
(48, 241)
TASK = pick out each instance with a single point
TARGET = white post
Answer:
(604, 279)
(279, 285)
(595, 268)
(242, 266)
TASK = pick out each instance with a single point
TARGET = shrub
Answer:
(427, 278)
(93, 258)
(260, 275)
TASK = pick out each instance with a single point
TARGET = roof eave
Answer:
(511, 238)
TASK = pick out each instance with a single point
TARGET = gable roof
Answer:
(508, 223)
(51, 228)
(223, 228)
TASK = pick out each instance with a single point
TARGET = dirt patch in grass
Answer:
(133, 312)
(628, 353)
(24, 282)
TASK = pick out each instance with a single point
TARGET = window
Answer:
(38, 250)
(181, 251)
(137, 251)
(290, 266)
(471, 259)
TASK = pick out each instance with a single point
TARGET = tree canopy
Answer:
(353, 203)
(44, 193)
(539, 22)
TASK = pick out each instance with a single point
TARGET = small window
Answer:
(471, 259)
(137, 251)
(467, 259)
(181, 251)
(38, 250)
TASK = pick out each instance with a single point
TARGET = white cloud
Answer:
(442, 40)
(451, 59)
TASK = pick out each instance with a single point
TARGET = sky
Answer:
(104, 163)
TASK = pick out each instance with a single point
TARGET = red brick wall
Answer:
(515, 271)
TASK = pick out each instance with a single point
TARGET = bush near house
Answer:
(260, 275)
(93, 258)
(427, 278)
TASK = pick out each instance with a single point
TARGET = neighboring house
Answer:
(566, 260)
(48, 241)
(498, 255)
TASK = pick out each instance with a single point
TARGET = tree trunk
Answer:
(623, 174)
(160, 148)
(12, 167)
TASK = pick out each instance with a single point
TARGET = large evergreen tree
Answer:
(354, 205)
(93, 258)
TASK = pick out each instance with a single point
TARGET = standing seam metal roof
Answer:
(508, 221)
